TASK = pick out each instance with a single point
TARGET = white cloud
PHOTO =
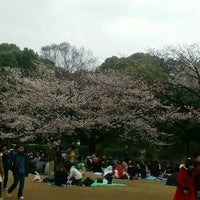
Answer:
(107, 27)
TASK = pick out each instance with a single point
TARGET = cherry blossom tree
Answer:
(87, 104)
(183, 64)
(44, 106)
(182, 90)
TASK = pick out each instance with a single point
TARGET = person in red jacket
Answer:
(196, 175)
(119, 170)
(185, 186)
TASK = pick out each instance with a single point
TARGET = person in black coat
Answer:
(5, 160)
(19, 167)
(60, 175)
(132, 170)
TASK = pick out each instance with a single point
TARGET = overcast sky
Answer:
(106, 27)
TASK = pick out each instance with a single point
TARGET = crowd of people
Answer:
(63, 167)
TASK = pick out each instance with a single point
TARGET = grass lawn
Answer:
(135, 190)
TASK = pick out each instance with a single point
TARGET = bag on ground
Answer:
(88, 181)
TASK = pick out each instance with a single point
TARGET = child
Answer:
(185, 185)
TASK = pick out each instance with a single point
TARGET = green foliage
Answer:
(115, 63)
(38, 146)
(4, 47)
(11, 55)
(27, 58)
(112, 149)
(8, 59)
(8, 54)
(147, 65)
(48, 63)
(184, 132)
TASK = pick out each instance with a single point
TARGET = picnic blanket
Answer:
(157, 179)
(95, 184)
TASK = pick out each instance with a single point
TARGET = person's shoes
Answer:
(6, 189)
(9, 194)
(21, 197)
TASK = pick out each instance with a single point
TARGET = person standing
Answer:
(126, 155)
(19, 167)
(142, 154)
(185, 185)
(72, 155)
(52, 159)
(6, 161)
(58, 158)
(1, 175)
(196, 175)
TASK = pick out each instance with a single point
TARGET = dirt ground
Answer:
(135, 190)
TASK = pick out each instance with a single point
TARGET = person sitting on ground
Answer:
(75, 176)
(60, 175)
(31, 163)
(96, 164)
(143, 170)
(119, 170)
(81, 168)
(40, 165)
(108, 174)
(132, 170)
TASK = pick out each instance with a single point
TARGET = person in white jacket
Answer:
(75, 176)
